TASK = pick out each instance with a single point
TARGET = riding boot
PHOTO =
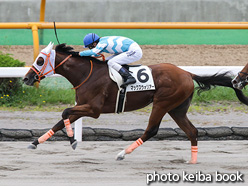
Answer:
(127, 77)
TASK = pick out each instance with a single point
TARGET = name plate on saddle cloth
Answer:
(144, 81)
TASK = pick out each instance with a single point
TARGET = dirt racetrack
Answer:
(181, 55)
(94, 164)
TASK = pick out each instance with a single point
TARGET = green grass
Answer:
(216, 94)
(218, 107)
(219, 99)
(208, 108)
(38, 99)
(53, 98)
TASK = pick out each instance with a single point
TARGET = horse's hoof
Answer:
(32, 146)
(191, 162)
(121, 156)
(74, 145)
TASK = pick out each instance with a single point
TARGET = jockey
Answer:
(124, 51)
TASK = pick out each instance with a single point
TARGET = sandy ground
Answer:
(181, 55)
(93, 163)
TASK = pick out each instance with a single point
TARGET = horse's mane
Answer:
(63, 48)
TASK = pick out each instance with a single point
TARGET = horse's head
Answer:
(241, 80)
(43, 66)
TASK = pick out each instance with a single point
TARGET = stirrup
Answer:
(126, 83)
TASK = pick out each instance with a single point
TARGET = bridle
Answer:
(243, 81)
(41, 73)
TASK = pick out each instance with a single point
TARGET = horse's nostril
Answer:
(36, 77)
(234, 82)
(25, 79)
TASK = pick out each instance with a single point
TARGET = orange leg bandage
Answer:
(194, 151)
(45, 136)
(69, 130)
(136, 144)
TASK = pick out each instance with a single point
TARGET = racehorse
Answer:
(241, 80)
(96, 93)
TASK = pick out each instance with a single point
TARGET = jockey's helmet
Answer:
(90, 38)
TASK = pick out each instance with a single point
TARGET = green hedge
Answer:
(9, 86)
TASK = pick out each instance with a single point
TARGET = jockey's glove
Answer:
(75, 53)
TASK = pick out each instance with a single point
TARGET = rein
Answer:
(242, 79)
(91, 68)
(243, 73)
(101, 56)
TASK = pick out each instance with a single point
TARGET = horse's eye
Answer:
(40, 61)
(246, 78)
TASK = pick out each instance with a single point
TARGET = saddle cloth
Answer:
(144, 81)
(142, 74)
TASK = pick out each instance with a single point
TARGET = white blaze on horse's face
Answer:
(236, 84)
(47, 65)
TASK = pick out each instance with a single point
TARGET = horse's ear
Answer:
(49, 47)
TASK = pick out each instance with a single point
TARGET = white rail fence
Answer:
(199, 70)
(8, 72)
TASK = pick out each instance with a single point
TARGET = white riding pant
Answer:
(133, 54)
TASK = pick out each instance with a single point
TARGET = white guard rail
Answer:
(8, 72)
(198, 70)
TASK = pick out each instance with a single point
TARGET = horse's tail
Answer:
(206, 82)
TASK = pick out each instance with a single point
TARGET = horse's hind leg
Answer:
(151, 130)
(180, 117)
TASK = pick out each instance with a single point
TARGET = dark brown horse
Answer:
(173, 94)
(241, 80)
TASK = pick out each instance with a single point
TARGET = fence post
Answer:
(78, 129)
(35, 40)
(42, 18)
(42, 10)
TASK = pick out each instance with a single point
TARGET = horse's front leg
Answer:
(72, 114)
(69, 116)
(59, 126)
